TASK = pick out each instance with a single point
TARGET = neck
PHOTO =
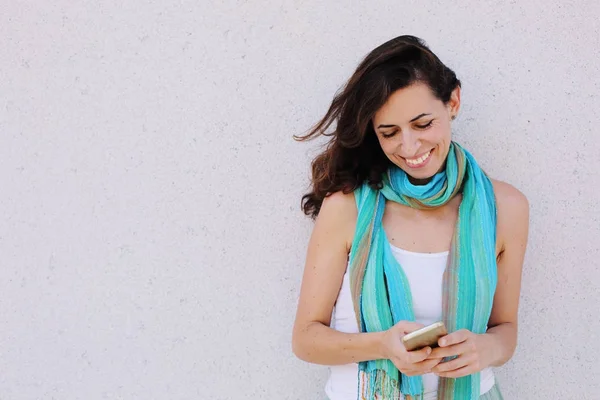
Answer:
(425, 181)
(419, 182)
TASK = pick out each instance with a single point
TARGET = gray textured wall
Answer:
(151, 244)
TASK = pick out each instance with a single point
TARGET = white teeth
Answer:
(419, 160)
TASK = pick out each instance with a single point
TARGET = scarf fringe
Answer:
(378, 385)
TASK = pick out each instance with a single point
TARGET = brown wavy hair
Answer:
(353, 154)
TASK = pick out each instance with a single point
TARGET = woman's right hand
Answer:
(410, 363)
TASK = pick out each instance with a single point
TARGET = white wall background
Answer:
(151, 243)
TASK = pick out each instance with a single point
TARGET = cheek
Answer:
(440, 132)
(442, 138)
(386, 145)
(440, 135)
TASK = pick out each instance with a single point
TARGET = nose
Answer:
(411, 142)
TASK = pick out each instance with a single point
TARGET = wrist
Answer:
(380, 345)
(503, 339)
(493, 348)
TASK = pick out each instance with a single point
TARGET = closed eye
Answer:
(392, 133)
(427, 125)
(388, 134)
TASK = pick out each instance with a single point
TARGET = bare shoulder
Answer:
(513, 214)
(509, 199)
(338, 215)
(340, 201)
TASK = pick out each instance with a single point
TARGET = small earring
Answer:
(453, 117)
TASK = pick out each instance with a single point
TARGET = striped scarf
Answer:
(380, 289)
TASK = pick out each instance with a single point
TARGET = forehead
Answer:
(406, 103)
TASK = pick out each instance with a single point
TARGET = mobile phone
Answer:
(424, 337)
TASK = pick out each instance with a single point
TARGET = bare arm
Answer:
(513, 228)
(313, 340)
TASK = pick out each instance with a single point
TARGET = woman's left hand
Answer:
(474, 351)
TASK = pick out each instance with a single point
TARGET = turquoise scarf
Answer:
(469, 281)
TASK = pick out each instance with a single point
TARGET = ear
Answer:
(454, 102)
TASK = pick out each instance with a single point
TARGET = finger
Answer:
(420, 368)
(453, 365)
(426, 366)
(403, 366)
(418, 355)
(457, 373)
(453, 350)
(409, 326)
(454, 338)
(427, 363)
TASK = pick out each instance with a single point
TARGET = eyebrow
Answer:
(412, 120)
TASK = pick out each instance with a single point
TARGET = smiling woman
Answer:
(420, 143)
(409, 231)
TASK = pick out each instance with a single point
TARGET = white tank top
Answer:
(425, 274)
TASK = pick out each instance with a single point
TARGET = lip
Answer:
(420, 165)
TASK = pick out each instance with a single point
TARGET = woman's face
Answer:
(413, 128)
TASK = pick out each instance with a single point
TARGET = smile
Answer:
(419, 161)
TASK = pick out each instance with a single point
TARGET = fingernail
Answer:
(442, 342)
(429, 350)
